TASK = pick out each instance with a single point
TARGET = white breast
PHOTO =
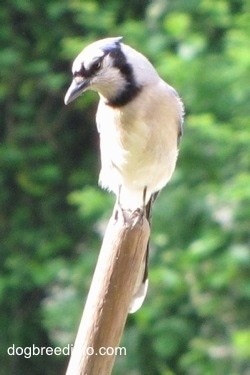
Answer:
(139, 143)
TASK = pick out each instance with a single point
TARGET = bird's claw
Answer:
(137, 217)
(120, 212)
(130, 218)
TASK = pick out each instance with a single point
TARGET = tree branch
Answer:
(110, 294)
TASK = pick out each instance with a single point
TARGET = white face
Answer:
(110, 73)
(107, 80)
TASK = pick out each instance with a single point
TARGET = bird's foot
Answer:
(119, 212)
(139, 213)
(129, 217)
(137, 216)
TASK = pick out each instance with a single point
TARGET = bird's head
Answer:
(110, 68)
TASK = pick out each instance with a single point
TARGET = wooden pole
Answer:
(109, 297)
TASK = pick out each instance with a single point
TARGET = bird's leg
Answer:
(117, 205)
(118, 208)
(136, 216)
(140, 212)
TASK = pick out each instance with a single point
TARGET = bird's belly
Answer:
(137, 152)
(131, 171)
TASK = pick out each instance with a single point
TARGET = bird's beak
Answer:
(76, 88)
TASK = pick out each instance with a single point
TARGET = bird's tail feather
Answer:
(141, 285)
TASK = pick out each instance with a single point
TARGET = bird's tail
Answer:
(141, 285)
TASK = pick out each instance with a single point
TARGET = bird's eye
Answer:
(96, 66)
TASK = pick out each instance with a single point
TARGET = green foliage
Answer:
(52, 214)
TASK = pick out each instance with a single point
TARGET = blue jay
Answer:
(139, 120)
